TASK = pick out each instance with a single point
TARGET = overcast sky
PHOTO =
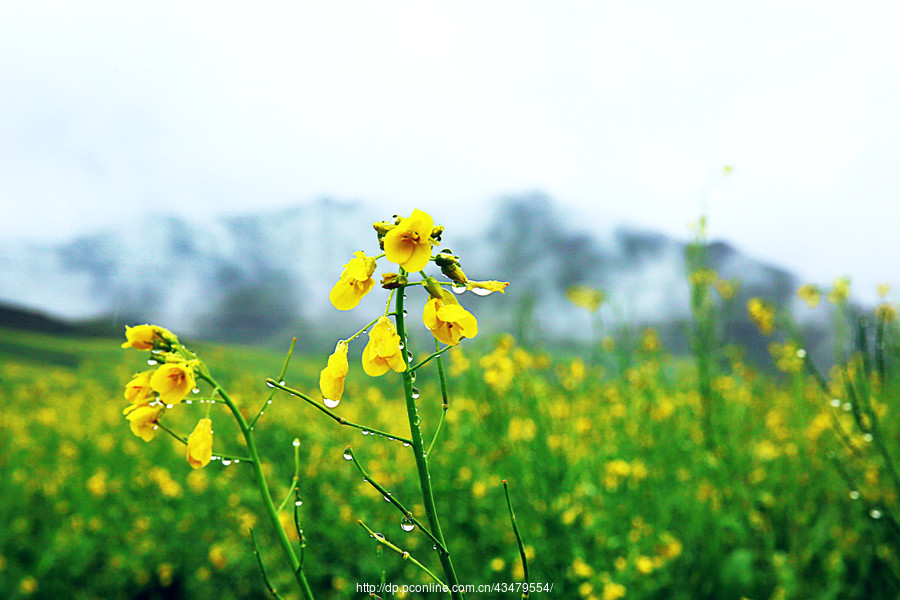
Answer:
(624, 109)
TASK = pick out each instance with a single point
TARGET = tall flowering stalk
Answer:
(174, 381)
(408, 243)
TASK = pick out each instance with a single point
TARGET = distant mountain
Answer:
(260, 276)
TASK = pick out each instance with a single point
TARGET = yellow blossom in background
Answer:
(883, 289)
(581, 568)
(143, 420)
(703, 277)
(762, 314)
(142, 337)
(331, 379)
(409, 243)
(613, 591)
(199, 445)
(138, 390)
(173, 381)
(840, 292)
(725, 288)
(383, 351)
(586, 297)
(809, 293)
(354, 283)
(644, 565)
(448, 321)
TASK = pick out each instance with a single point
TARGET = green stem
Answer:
(341, 420)
(268, 504)
(403, 553)
(512, 518)
(418, 447)
(390, 498)
(445, 400)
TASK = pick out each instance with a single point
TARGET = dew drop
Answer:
(237, 460)
(379, 536)
(405, 555)
(187, 401)
(298, 502)
(867, 437)
(835, 402)
(854, 495)
(847, 407)
(270, 384)
(365, 432)
(406, 444)
(875, 513)
(330, 403)
(801, 353)
(268, 402)
(296, 442)
(458, 289)
(415, 393)
(481, 292)
(156, 427)
(152, 362)
(196, 390)
(226, 461)
(386, 498)
(170, 406)
(348, 455)
(407, 525)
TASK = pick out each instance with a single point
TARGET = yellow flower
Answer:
(409, 243)
(143, 420)
(354, 283)
(613, 591)
(142, 337)
(840, 293)
(383, 351)
(762, 314)
(809, 293)
(199, 444)
(586, 297)
(447, 320)
(331, 379)
(138, 390)
(173, 381)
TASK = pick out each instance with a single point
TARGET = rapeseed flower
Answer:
(383, 351)
(809, 293)
(143, 337)
(762, 314)
(199, 444)
(354, 283)
(331, 379)
(138, 390)
(143, 419)
(448, 321)
(840, 293)
(173, 381)
(586, 297)
(409, 243)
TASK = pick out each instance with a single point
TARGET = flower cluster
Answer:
(150, 393)
(408, 243)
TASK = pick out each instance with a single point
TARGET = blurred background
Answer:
(209, 168)
(202, 166)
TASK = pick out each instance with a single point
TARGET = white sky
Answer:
(626, 109)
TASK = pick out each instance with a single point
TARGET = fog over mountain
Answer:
(256, 277)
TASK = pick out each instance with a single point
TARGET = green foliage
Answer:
(613, 485)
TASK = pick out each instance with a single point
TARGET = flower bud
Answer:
(391, 281)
